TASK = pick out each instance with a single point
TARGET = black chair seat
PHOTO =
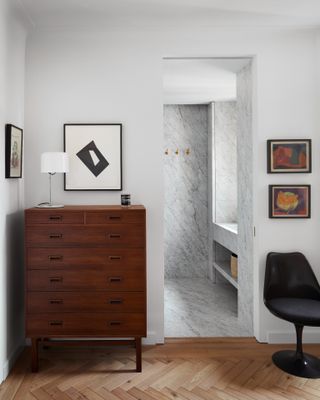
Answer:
(295, 310)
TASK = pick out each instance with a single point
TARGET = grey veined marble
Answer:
(245, 189)
(225, 155)
(186, 191)
(200, 308)
(227, 235)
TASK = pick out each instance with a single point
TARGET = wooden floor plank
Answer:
(179, 370)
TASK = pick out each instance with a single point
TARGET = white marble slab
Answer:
(226, 235)
(245, 189)
(229, 226)
(200, 308)
(186, 191)
(225, 143)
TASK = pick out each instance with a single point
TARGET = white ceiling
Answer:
(200, 81)
(102, 13)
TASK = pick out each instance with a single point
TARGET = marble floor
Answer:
(199, 308)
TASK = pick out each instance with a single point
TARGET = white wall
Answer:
(12, 66)
(117, 77)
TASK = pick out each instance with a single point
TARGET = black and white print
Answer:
(95, 156)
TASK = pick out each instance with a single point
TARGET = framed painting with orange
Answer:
(289, 156)
(289, 201)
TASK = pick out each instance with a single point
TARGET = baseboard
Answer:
(152, 338)
(10, 362)
(309, 336)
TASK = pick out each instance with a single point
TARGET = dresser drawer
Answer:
(130, 235)
(85, 324)
(54, 217)
(73, 257)
(55, 302)
(115, 217)
(111, 278)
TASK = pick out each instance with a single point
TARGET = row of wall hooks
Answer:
(177, 151)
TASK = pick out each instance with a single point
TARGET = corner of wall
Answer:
(8, 365)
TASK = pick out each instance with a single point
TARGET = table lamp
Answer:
(52, 163)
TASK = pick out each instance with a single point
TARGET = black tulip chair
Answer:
(292, 293)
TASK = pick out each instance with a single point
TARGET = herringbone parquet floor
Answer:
(226, 369)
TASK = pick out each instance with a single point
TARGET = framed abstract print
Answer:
(95, 156)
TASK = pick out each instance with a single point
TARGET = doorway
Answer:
(208, 197)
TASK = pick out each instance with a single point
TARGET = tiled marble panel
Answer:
(245, 189)
(186, 191)
(225, 149)
(198, 307)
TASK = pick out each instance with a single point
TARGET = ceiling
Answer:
(200, 80)
(102, 13)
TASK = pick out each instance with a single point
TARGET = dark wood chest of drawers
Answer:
(85, 274)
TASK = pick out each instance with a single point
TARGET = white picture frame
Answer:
(95, 156)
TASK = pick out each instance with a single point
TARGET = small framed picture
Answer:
(14, 144)
(289, 201)
(289, 156)
(95, 156)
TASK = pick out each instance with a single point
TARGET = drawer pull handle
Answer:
(56, 323)
(55, 218)
(115, 279)
(115, 301)
(111, 258)
(55, 279)
(55, 258)
(114, 236)
(55, 236)
(56, 301)
(114, 323)
(113, 217)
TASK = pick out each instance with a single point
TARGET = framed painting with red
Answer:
(289, 156)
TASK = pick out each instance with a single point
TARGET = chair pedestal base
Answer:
(306, 367)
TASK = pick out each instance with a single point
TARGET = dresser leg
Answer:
(138, 355)
(34, 355)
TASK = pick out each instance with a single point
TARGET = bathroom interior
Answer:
(208, 197)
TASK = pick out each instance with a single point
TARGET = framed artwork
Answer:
(95, 156)
(289, 201)
(14, 144)
(289, 156)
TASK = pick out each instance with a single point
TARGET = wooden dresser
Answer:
(85, 275)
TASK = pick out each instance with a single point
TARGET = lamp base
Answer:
(49, 205)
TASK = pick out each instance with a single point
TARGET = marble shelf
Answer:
(223, 267)
(229, 226)
(226, 234)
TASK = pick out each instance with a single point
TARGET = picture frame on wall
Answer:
(289, 201)
(13, 151)
(95, 156)
(289, 156)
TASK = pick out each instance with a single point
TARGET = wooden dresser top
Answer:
(92, 208)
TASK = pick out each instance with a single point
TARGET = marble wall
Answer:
(245, 197)
(225, 150)
(186, 191)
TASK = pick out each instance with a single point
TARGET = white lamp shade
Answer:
(52, 162)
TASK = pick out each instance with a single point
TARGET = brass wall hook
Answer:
(187, 151)
(176, 152)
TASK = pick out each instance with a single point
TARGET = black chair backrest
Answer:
(289, 275)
